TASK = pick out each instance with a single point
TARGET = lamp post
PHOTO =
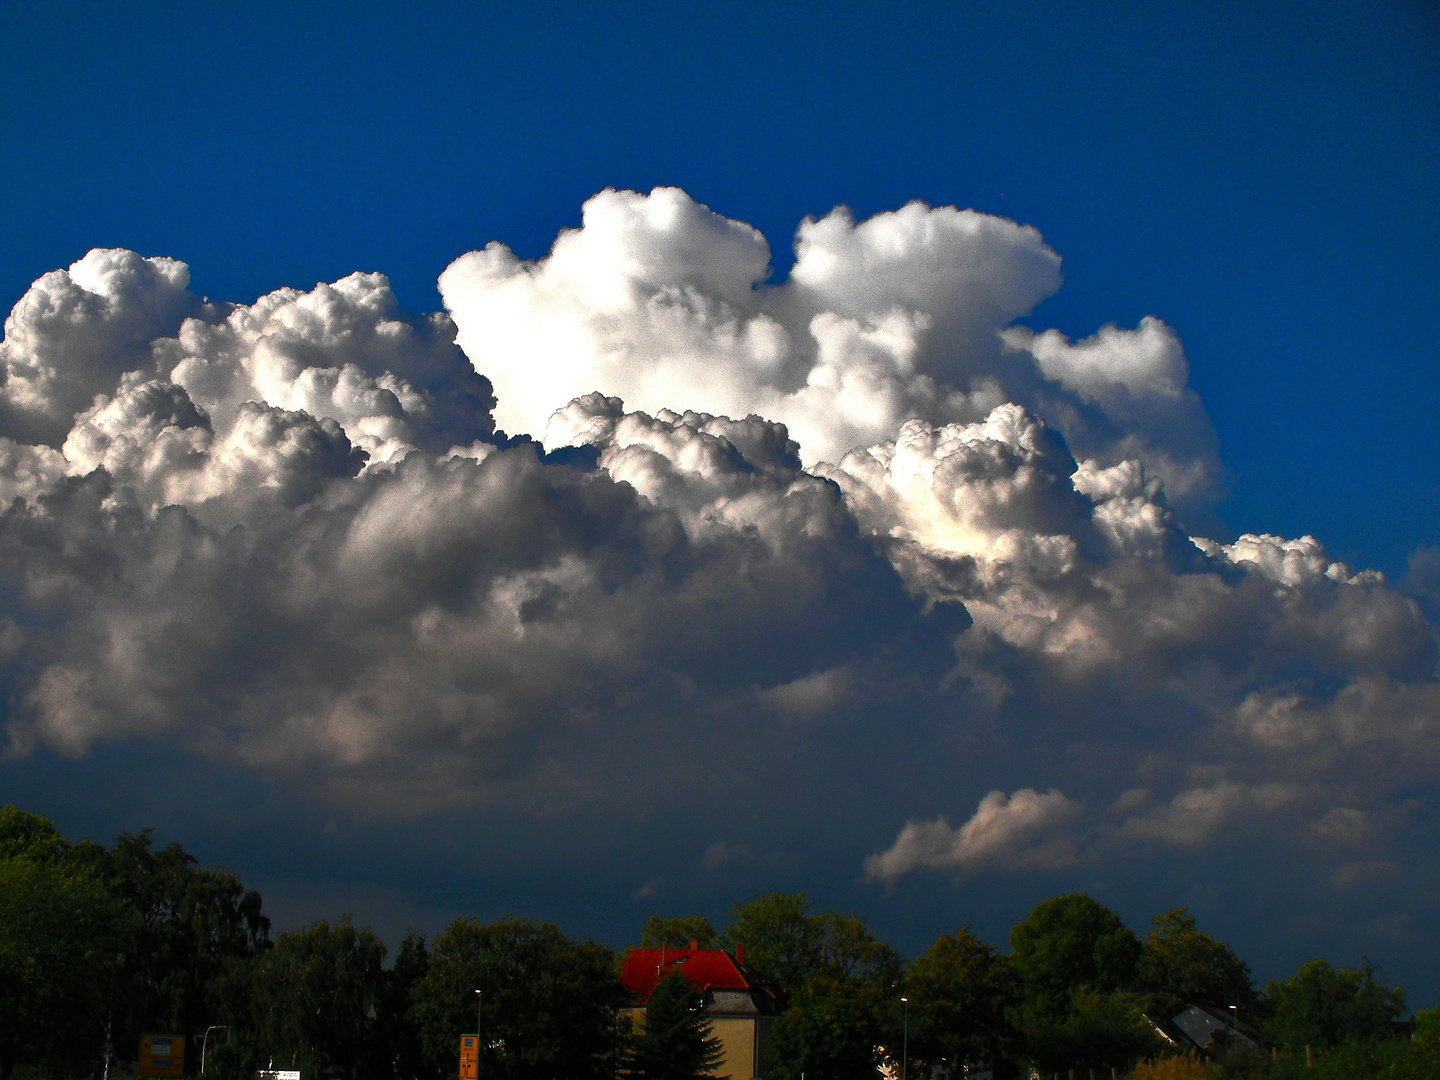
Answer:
(206, 1041)
(904, 1036)
(479, 1032)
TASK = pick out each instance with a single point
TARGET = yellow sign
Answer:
(469, 1057)
(162, 1055)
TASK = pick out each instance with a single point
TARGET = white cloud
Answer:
(76, 331)
(1026, 829)
(657, 300)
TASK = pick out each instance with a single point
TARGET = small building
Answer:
(1211, 1030)
(741, 1002)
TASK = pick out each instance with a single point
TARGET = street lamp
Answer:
(205, 1042)
(904, 1036)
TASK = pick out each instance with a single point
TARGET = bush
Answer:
(1171, 1068)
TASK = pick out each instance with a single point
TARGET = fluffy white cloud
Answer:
(1138, 380)
(660, 301)
(1026, 829)
(76, 331)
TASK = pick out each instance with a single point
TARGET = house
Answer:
(1212, 1030)
(741, 1003)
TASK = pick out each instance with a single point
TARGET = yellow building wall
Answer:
(737, 1035)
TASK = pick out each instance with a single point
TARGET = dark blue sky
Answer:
(1260, 176)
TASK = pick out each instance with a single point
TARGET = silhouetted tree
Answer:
(833, 1029)
(1181, 965)
(550, 1001)
(677, 1042)
(678, 932)
(1322, 1006)
(960, 991)
(186, 926)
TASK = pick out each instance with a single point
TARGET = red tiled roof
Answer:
(705, 968)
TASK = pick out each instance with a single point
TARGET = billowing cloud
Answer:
(662, 302)
(1023, 829)
(858, 504)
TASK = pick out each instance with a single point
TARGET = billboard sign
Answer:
(162, 1055)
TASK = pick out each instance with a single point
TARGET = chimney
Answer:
(739, 952)
(694, 944)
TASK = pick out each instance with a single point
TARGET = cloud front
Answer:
(639, 497)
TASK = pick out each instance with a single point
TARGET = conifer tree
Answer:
(677, 1043)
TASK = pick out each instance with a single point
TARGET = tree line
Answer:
(99, 945)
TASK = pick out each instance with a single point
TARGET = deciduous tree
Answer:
(61, 932)
(186, 925)
(314, 1000)
(550, 1001)
(782, 939)
(833, 1030)
(960, 990)
(1322, 1006)
(1181, 965)
(678, 932)
(1071, 943)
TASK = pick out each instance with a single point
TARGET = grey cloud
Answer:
(841, 508)
(419, 620)
(1026, 829)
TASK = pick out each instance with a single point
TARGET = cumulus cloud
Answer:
(291, 534)
(659, 301)
(1026, 829)
(1193, 816)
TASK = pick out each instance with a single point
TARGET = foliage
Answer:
(781, 937)
(311, 1000)
(146, 939)
(1069, 944)
(60, 935)
(849, 951)
(187, 926)
(549, 1001)
(839, 980)
(29, 836)
(833, 1030)
(676, 1043)
(1322, 1006)
(1097, 1031)
(960, 990)
(396, 1029)
(1181, 965)
(1393, 1059)
(1170, 1068)
(677, 933)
